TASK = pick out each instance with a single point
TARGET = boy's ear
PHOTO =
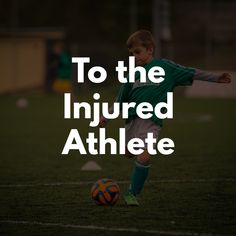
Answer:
(150, 50)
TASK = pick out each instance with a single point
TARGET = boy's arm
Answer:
(103, 121)
(210, 77)
(122, 97)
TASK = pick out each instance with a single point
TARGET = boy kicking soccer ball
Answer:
(141, 45)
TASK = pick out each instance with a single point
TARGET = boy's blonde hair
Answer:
(141, 38)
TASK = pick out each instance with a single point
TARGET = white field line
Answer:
(202, 180)
(114, 229)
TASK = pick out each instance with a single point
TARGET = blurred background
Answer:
(199, 34)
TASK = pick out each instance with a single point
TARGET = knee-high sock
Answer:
(139, 175)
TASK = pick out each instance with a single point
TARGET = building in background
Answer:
(194, 33)
(24, 59)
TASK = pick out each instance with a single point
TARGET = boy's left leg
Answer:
(139, 176)
(140, 173)
(138, 128)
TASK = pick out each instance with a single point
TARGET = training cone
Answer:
(91, 166)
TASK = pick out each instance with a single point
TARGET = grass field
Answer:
(190, 192)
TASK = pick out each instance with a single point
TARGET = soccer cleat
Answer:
(130, 199)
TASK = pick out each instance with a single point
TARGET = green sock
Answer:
(139, 176)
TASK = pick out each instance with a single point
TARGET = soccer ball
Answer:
(105, 192)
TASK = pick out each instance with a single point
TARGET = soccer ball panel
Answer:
(105, 192)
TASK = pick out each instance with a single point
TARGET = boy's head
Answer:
(141, 45)
(58, 47)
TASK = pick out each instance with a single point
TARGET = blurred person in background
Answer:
(61, 66)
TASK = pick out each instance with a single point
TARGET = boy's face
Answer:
(142, 55)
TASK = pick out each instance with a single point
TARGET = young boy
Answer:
(141, 45)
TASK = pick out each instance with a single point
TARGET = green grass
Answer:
(31, 142)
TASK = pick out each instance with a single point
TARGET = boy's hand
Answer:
(102, 122)
(224, 78)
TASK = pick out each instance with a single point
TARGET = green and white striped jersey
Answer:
(153, 93)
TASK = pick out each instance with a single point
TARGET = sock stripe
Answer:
(141, 165)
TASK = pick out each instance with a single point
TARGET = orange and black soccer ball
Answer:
(105, 192)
